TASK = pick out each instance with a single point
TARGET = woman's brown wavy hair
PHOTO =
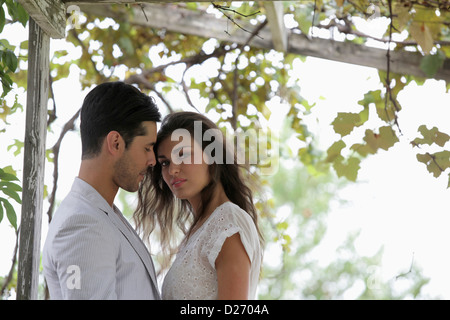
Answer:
(159, 209)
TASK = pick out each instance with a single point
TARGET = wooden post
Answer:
(34, 162)
(275, 15)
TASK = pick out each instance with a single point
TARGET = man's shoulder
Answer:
(75, 204)
(76, 213)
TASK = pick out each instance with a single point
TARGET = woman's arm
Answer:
(233, 270)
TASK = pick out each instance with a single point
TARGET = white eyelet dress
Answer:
(192, 275)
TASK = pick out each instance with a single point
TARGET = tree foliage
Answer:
(298, 229)
(247, 77)
(237, 82)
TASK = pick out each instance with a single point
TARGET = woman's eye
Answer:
(164, 163)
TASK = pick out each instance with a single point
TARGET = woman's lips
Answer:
(178, 182)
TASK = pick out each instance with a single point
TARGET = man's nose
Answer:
(151, 161)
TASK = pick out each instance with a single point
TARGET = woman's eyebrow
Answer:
(161, 156)
(179, 148)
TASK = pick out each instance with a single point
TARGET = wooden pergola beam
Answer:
(196, 23)
(48, 14)
(94, 2)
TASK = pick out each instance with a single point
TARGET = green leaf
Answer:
(335, 150)
(443, 159)
(12, 194)
(10, 185)
(430, 64)
(364, 115)
(1, 212)
(19, 146)
(348, 169)
(370, 97)
(421, 32)
(401, 12)
(60, 53)
(436, 163)
(24, 45)
(303, 17)
(384, 140)
(10, 213)
(9, 169)
(7, 176)
(282, 226)
(21, 15)
(10, 60)
(126, 44)
(423, 157)
(384, 112)
(345, 122)
(2, 18)
(362, 149)
(431, 136)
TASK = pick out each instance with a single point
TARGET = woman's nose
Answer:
(174, 169)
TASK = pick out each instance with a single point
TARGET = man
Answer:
(91, 251)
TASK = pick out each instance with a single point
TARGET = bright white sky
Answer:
(396, 203)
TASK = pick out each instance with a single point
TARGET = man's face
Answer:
(131, 167)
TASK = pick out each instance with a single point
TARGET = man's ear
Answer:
(114, 142)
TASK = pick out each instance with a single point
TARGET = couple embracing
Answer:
(93, 252)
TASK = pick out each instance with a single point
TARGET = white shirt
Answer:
(193, 274)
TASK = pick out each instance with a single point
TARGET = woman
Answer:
(220, 255)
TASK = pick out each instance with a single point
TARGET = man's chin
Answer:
(131, 189)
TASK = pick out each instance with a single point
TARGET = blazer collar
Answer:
(116, 217)
(87, 191)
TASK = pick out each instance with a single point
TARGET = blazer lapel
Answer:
(132, 237)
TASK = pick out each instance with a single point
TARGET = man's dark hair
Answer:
(114, 106)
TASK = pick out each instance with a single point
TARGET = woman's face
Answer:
(183, 168)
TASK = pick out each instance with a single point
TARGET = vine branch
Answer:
(389, 96)
(225, 8)
(9, 277)
(69, 126)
